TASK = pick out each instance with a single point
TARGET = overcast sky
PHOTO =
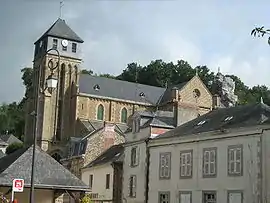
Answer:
(213, 33)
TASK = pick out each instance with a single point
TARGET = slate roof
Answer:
(49, 173)
(119, 89)
(113, 154)
(3, 143)
(168, 93)
(2, 154)
(61, 30)
(222, 119)
(9, 139)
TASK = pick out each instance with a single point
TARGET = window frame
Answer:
(55, 43)
(108, 181)
(235, 191)
(123, 119)
(133, 186)
(166, 193)
(235, 148)
(184, 193)
(134, 161)
(208, 174)
(98, 112)
(161, 154)
(91, 178)
(185, 152)
(204, 192)
(74, 47)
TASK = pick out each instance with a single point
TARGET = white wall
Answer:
(99, 180)
(221, 183)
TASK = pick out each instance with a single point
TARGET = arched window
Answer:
(100, 112)
(124, 115)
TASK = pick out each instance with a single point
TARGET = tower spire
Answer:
(60, 8)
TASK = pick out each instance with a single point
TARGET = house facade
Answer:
(222, 156)
(104, 176)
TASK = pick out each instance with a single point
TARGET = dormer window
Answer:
(74, 47)
(228, 118)
(142, 95)
(136, 125)
(97, 87)
(55, 42)
(201, 123)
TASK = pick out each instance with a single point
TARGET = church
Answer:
(86, 114)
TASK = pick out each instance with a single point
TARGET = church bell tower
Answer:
(56, 109)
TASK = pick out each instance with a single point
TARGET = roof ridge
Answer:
(114, 79)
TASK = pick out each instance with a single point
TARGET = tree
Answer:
(260, 32)
(89, 72)
(14, 147)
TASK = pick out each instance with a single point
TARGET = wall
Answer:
(40, 195)
(99, 180)
(139, 171)
(221, 183)
(87, 108)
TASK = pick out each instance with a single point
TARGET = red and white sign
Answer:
(18, 185)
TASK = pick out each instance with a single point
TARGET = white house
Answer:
(104, 176)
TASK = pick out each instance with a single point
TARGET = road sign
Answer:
(18, 185)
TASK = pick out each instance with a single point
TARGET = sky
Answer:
(215, 33)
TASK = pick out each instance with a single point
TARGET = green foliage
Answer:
(13, 147)
(86, 199)
(260, 32)
(157, 73)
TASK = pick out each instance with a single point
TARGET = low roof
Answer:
(113, 154)
(2, 154)
(224, 118)
(3, 143)
(49, 173)
(9, 138)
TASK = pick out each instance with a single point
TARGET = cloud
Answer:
(212, 33)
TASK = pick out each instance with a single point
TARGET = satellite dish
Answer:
(64, 43)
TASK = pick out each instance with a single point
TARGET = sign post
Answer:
(17, 186)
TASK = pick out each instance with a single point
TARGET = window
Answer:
(64, 48)
(100, 112)
(136, 125)
(235, 160)
(132, 186)
(210, 162)
(209, 197)
(186, 164)
(123, 115)
(185, 197)
(134, 160)
(235, 197)
(74, 47)
(107, 181)
(55, 42)
(164, 197)
(91, 181)
(165, 165)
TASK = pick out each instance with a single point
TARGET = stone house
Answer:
(82, 104)
(222, 156)
(104, 176)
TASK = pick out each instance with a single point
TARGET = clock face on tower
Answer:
(64, 43)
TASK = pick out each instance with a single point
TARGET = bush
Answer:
(86, 199)
(14, 147)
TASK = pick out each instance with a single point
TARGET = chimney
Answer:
(174, 93)
(216, 101)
